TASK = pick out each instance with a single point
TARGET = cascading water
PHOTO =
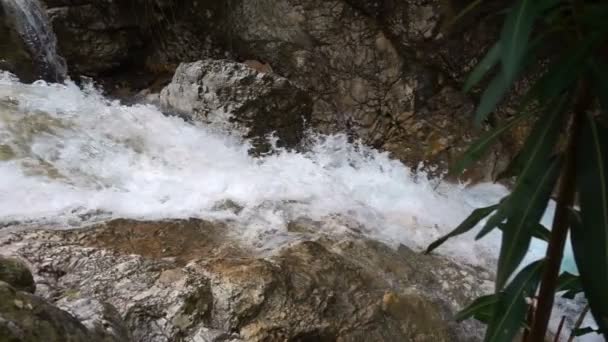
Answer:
(69, 157)
(29, 19)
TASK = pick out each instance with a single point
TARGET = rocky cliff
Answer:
(386, 72)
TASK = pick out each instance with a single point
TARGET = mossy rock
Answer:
(16, 273)
(28, 318)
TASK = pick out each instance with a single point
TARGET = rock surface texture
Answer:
(261, 103)
(189, 281)
(383, 71)
(25, 317)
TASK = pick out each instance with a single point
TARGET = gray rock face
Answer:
(261, 103)
(189, 281)
(14, 56)
(28, 42)
(15, 273)
(28, 318)
(382, 71)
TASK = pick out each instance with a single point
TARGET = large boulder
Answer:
(25, 317)
(193, 281)
(16, 273)
(262, 103)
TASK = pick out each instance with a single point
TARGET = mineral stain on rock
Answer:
(190, 280)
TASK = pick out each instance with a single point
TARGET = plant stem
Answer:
(559, 233)
(578, 323)
(559, 329)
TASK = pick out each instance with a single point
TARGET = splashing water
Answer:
(69, 157)
(31, 22)
(66, 153)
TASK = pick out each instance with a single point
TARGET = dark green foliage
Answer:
(510, 310)
(570, 284)
(481, 309)
(466, 225)
(567, 102)
(590, 237)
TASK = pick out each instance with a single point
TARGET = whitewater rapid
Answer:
(70, 157)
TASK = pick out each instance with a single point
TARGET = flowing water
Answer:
(70, 157)
(29, 19)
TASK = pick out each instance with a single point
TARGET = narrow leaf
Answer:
(594, 15)
(541, 233)
(562, 73)
(514, 36)
(479, 148)
(490, 60)
(466, 225)
(538, 231)
(481, 305)
(584, 331)
(535, 158)
(570, 284)
(464, 12)
(538, 132)
(490, 98)
(600, 85)
(590, 238)
(528, 208)
(511, 310)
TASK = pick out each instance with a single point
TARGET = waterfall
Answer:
(29, 19)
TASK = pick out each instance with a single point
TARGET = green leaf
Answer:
(584, 331)
(490, 98)
(541, 233)
(528, 207)
(600, 84)
(510, 311)
(535, 137)
(479, 148)
(490, 59)
(594, 15)
(535, 159)
(538, 231)
(563, 73)
(466, 225)
(500, 84)
(570, 284)
(514, 37)
(590, 238)
(482, 307)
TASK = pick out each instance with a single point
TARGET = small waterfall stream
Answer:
(70, 157)
(29, 19)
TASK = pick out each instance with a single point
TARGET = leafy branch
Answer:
(568, 102)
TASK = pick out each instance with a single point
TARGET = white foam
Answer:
(76, 157)
(77, 152)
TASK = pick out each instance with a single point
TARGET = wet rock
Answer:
(332, 288)
(214, 91)
(95, 36)
(376, 70)
(101, 319)
(27, 42)
(14, 56)
(28, 318)
(16, 273)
